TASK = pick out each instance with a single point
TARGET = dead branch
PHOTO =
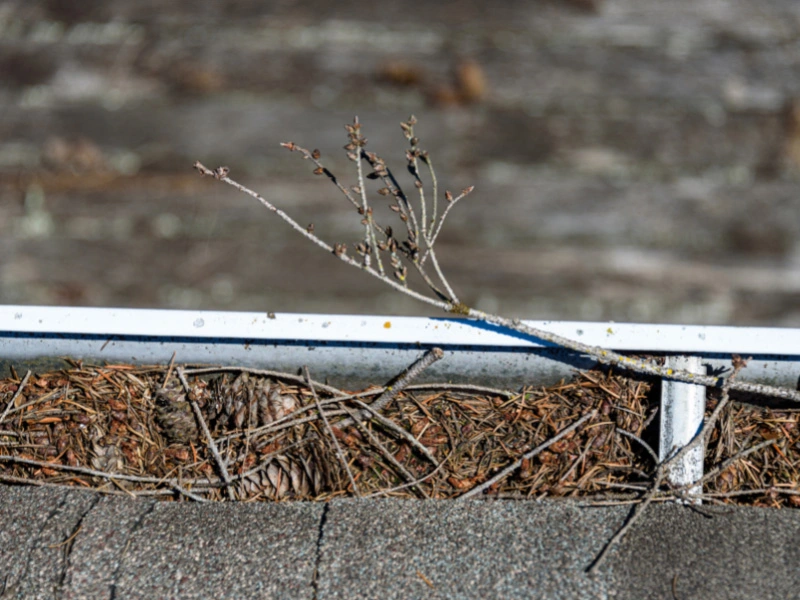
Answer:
(419, 246)
(399, 384)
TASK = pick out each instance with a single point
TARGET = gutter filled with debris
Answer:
(213, 406)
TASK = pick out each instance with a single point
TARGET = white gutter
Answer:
(356, 350)
(440, 330)
(360, 349)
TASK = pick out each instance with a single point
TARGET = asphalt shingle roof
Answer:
(65, 544)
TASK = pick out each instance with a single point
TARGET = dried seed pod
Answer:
(315, 154)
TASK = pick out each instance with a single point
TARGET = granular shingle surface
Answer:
(451, 549)
(65, 544)
(104, 539)
(721, 552)
(187, 551)
(36, 527)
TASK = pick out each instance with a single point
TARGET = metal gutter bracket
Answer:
(683, 408)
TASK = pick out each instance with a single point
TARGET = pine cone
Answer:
(175, 417)
(284, 477)
(248, 402)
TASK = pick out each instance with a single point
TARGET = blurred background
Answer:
(634, 160)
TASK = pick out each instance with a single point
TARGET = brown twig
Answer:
(83, 470)
(410, 484)
(321, 387)
(339, 451)
(15, 396)
(209, 438)
(721, 467)
(61, 486)
(399, 384)
(461, 387)
(639, 441)
(192, 496)
(399, 431)
(527, 456)
(638, 511)
(386, 454)
(169, 369)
